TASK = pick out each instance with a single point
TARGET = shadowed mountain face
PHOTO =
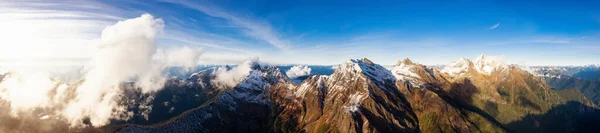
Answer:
(472, 101)
(585, 79)
(569, 117)
(591, 72)
(590, 89)
(177, 96)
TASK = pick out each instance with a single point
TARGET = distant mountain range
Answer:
(585, 79)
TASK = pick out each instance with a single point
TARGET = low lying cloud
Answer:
(298, 71)
(19, 88)
(125, 52)
(227, 77)
(183, 57)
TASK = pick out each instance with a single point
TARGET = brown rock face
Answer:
(479, 102)
(353, 99)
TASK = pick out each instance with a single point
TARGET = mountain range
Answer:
(483, 95)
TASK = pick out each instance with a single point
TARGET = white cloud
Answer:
(186, 56)
(298, 71)
(231, 77)
(18, 87)
(46, 31)
(494, 26)
(126, 51)
(564, 41)
(255, 28)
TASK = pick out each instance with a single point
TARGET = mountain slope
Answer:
(466, 99)
(359, 96)
(590, 89)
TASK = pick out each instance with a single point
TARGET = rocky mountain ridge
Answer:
(361, 96)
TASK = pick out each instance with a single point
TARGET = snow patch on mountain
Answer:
(250, 90)
(457, 68)
(548, 72)
(254, 80)
(403, 71)
(354, 102)
(303, 88)
(483, 64)
(370, 69)
(488, 64)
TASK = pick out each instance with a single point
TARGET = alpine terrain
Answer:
(481, 95)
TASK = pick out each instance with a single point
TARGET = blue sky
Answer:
(331, 32)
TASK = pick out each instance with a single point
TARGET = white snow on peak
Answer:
(254, 80)
(457, 68)
(303, 88)
(370, 69)
(360, 69)
(548, 72)
(488, 64)
(251, 90)
(483, 64)
(402, 71)
(297, 71)
(593, 65)
(352, 65)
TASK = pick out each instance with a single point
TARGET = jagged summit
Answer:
(366, 60)
(457, 68)
(406, 61)
(483, 64)
(488, 64)
(367, 67)
(406, 70)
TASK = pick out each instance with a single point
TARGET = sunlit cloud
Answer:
(494, 26)
(252, 27)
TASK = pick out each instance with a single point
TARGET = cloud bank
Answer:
(125, 52)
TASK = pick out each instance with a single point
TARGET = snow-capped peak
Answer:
(367, 67)
(483, 64)
(406, 61)
(403, 71)
(457, 68)
(592, 66)
(353, 65)
(488, 64)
